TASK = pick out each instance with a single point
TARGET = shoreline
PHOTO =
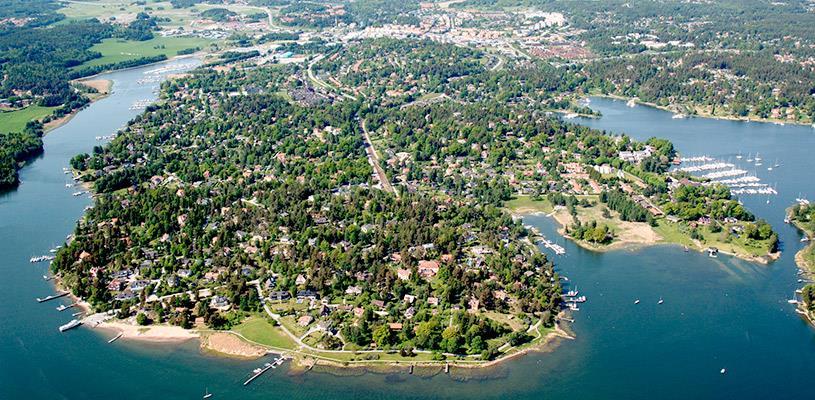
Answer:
(626, 243)
(108, 86)
(669, 109)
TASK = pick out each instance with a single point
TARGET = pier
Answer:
(51, 297)
(259, 371)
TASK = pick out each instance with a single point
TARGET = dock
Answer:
(259, 371)
(116, 337)
(51, 297)
(63, 307)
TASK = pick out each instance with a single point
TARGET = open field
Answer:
(117, 50)
(259, 330)
(526, 205)
(14, 121)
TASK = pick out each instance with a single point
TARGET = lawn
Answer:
(117, 50)
(258, 329)
(680, 233)
(525, 204)
(14, 121)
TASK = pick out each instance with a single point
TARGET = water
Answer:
(718, 313)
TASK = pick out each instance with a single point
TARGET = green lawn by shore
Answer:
(14, 121)
(117, 50)
(259, 330)
(525, 204)
(727, 242)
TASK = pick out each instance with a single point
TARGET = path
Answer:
(373, 159)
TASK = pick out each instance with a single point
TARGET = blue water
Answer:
(718, 313)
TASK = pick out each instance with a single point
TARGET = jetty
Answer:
(51, 297)
(63, 307)
(116, 337)
(259, 371)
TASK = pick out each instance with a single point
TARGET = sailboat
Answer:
(660, 301)
(749, 157)
(207, 394)
(637, 301)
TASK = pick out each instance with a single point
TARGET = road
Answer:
(373, 159)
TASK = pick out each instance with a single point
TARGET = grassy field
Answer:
(525, 204)
(116, 50)
(680, 233)
(258, 329)
(14, 121)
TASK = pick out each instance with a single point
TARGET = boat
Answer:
(207, 394)
(723, 371)
(71, 325)
(804, 239)
(631, 103)
(570, 116)
(660, 301)
(678, 116)
(686, 249)
(637, 301)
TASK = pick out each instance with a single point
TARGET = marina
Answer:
(716, 171)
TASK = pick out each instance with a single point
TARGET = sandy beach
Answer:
(152, 333)
(231, 345)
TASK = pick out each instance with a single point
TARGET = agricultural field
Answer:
(117, 50)
(14, 121)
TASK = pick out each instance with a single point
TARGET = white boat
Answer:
(631, 103)
(678, 116)
(637, 301)
(207, 394)
(660, 301)
(570, 116)
(723, 371)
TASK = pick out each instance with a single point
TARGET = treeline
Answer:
(88, 71)
(628, 209)
(16, 147)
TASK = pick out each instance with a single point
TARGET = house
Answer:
(378, 303)
(358, 312)
(279, 295)
(125, 296)
(409, 298)
(433, 301)
(307, 294)
(305, 320)
(220, 303)
(428, 268)
(403, 274)
(353, 290)
(474, 304)
(300, 280)
(395, 326)
(410, 312)
(116, 285)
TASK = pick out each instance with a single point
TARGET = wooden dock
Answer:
(52, 297)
